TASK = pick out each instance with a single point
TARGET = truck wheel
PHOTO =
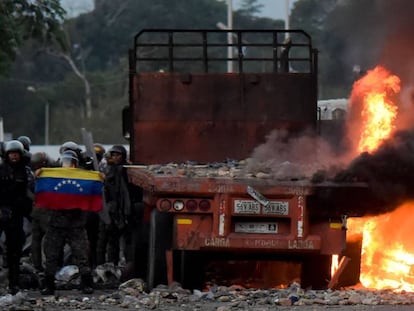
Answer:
(159, 241)
(316, 271)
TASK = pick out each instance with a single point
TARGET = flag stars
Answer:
(68, 182)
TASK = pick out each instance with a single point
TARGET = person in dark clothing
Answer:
(67, 226)
(85, 162)
(26, 142)
(99, 151)
(118, 206)
(1, 151)
(16, 192)
(40, 216)
(92, 218)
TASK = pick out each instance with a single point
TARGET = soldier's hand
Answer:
(38, 172)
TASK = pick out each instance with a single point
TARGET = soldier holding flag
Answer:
(68, 192)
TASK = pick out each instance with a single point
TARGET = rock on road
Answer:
(131, 295)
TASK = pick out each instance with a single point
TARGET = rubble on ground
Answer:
(132, 294)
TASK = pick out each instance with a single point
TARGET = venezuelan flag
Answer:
(68, 188)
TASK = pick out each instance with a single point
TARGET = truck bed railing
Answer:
(202, 50)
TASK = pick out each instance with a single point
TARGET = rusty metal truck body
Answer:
(187, 110)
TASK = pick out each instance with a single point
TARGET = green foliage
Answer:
(250, 7)
(346, 33)
(108, 31)
(24, 19)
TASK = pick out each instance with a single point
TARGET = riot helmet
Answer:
(70, 145)
(69, 158)
(119, 149)
(99, 151)
(26, 141)
(13, 146)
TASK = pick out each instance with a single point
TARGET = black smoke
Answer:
(388, 172)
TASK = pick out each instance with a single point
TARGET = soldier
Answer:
(27, 142)
(99, 151)
(1, 151)
(85, 162)
(16, 185)
(117, 200)
(92, 219)
(67, 226)
(40, 216)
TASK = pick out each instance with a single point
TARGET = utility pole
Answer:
(230, 35)
(287, 13)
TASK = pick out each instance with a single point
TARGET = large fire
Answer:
(387, 258)
(373, 93)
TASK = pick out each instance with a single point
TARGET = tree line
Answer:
(78, 67)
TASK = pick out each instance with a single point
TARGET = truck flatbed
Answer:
(328, 197)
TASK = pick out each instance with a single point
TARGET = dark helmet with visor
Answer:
(13, 146)
(69, 157)
(69, 145)
(26, 141)
(119, 149)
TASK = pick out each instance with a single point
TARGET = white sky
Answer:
(275, 9)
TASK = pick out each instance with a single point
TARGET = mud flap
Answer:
(191, 269)
(316, 271)
(351, 273)
(160, 239)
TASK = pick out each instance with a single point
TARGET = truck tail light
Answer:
(204, 205)
(178, 205)
(165, 205)
(191, 205)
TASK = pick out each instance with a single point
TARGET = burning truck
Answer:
(235, 166)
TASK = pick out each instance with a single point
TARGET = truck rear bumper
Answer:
(260, 242)
(250, 242)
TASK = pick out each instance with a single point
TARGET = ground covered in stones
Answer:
(133, 295)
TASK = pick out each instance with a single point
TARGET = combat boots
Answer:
(86, 285)
(49, 288)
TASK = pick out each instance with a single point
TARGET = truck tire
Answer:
(316, 271)
(160, 235)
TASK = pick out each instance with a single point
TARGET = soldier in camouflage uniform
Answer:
(67, 226)
(92, 218)
(40, 216)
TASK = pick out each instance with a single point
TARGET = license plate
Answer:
(276, 208)
(246, 207)
(255, 227)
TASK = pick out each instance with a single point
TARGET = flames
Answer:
(387, 257)
(372, 98)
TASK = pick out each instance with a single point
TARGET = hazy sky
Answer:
(275, 9)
